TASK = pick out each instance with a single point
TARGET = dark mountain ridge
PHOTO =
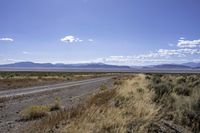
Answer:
(60, 65)
(32, 65)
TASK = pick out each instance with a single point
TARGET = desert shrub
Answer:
(161, 90)
(196, 105)
(156, 79)
(180, 98)
(118, 82)
(192, 78)
(103, 87)
(180, 80)
(192, 120)
(34, 112)
(194, 84)
(181, 90)
(140, 90)
(168, 101)
(120, 100)
(147, 77)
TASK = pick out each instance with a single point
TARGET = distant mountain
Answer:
(32, 65)
(69, 66)
(171, 66)
(28, 64)
(192, 64)
(188, 65)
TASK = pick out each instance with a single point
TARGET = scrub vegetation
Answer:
(179, 96)
(140, 103)
(14, 80)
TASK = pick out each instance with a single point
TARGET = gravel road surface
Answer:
(70, 94)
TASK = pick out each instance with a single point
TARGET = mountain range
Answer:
(32, 65)
(60, 65)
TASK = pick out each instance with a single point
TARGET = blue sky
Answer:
(122, 32)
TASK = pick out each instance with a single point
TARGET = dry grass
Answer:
(34, 112)
(56, 105)
(14, 80)
(49, 123)
(39, 111)
(128, 107)
(126, 110)
(134, 104)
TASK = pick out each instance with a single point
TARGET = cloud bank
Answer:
(185, 51)
(7, 39)
(188, 43)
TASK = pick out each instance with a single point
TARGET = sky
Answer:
(120, 32)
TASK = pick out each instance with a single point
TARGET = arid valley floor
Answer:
(64, 102)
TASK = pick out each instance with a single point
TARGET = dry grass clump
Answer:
(118, 82)
(56, 105)
(39, 111)
(103, 87)
(34, 112)
(97, 119)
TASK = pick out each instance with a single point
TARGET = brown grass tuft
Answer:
(34, 112)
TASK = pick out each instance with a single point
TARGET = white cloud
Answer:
(178, 52)
(70, 39)
(137, 60)
(25, 52)
(196, 60)
(78, 40)
(6, 39)
(157, 57)
(90, 40)
(188, 43)
(182, 38)
(9, 60)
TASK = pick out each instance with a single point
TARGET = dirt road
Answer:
(70, 93)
